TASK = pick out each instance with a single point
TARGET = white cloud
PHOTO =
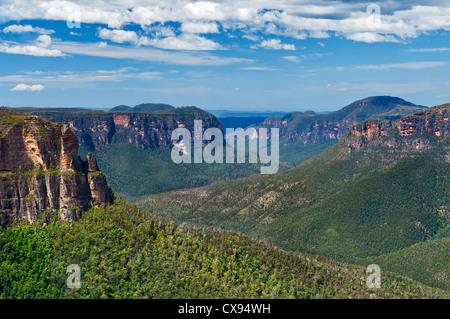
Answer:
(31, 49)
(25, 87)
(259, 68)
(275, 44)
(296, 19)
(383, 88)
(317, 34)
(14, 28)
(369, 37)
(251, 37)
(146, 54)
(43, 41)
(199, 27)
(102, 44)
(429, 50)
(65, 79)
(186, 41)
(160, 31)
(118, 36)
(406, 65)
(291, 58)
(182, 42)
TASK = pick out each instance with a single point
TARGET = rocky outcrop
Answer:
(41, 172)
(412, 132)
(434, 120)
(312, 128)
(97, 129)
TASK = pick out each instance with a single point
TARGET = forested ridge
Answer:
(125, 252)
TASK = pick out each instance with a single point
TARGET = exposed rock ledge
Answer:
(41, 171)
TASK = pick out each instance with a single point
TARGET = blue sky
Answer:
(238, 55)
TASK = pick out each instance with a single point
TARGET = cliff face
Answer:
(314, 130)
(40, 171)
(417, 130)
(96, 129)
(309, 127)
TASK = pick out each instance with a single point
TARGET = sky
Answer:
(285, 55)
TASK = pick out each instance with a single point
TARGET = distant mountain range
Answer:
(304, 135)
(144, 107)
(229, 113)
(379, 194)
(310, 127)
(145, 131)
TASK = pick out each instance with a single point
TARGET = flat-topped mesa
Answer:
(41, 171)
(420, 127)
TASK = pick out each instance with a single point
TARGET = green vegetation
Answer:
(144, 107)
(347, 206)
(135, 172)
(297, 153)
(56, 115)
(124, 252)
(427, 262)
(8, 118)
(35, 171)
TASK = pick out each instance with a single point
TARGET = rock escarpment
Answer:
(312, 128)
(97, 129)
(412, 131)
(41, 172)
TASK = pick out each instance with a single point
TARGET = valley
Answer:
(377, 194)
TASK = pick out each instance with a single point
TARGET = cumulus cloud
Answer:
(43, 41)
(14, 28)
(182, 42)
(185, 41)
(191, 27)
(118, 36)
(369, 37)
(275, 44)
(296, 19)
(25, 87)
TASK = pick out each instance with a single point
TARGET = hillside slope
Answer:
(133, 146)
(124, 252)
(427, 262)
(310, 127)
(304, 135)
(381, 189)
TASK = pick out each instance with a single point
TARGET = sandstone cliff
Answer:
(418, 130)
(96, 129)
(311, 128)
(41, 172)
